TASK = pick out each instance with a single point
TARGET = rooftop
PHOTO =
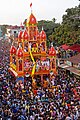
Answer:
(75, 59)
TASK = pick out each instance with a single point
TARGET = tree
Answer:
(53, 20)
(3, 28)
(69, 30)
(48, 26)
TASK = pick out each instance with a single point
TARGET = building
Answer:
(14, 30)
(72, 65)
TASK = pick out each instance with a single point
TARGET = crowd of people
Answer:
(66, 53)
(59, 101)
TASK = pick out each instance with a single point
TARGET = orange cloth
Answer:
(35, 92)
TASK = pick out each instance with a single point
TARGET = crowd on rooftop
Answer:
(59, 101)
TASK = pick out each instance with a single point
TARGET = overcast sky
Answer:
(15, 11)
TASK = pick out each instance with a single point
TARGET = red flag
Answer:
(31, 5)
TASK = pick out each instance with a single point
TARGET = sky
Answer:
(13, 12)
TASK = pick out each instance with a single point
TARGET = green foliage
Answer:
(69, 31)
(3, 28)
(48, 26)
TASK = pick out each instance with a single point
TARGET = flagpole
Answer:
(31, 7)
